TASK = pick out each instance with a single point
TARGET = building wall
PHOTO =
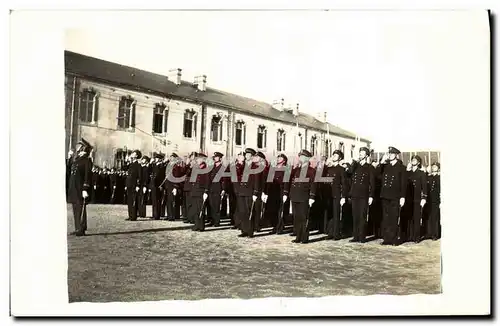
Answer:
(107, 138)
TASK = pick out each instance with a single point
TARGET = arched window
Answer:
(126, 112)
(190, 121)
(240, 133)
(280, 146)
(216, 128)
(261, 137)
(313, 144)
(88, 105)
(160, 118)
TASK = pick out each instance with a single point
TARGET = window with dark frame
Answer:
(126, 112)
(216, 128)
(280, 146)
(88, 106)
(313, 145)
(160, 118)
(190, 120)
(120, 159)
(239, 136)
(261, 137)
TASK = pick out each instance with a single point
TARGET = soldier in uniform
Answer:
(79, 185)
(392, 194)
(157, 177)
(260, 159)
(174, 188)
(274, 197)
(434, 198)
(302, 195)
(187, 187)
(143, 192)
(216, 190)
(246, 190)
(133, 185)
(361, 193)
(198, 194)
(416, 195)
(337, 192)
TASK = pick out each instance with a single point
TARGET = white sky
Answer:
(388, 76)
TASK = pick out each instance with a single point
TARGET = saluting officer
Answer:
(302, 194)
(337, 191)
(79, 185)
(434, 197)
(187, 187)
(157, 177)
(260, 159)
(133, 184)
(361, 193)
(392, 195)
(416, 195)
(216, 189)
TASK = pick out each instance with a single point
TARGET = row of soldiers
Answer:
(383, 199)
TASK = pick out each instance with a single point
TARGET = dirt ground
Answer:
(158, 260)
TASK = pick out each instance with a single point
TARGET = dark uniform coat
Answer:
(79, 181)
(362, 188)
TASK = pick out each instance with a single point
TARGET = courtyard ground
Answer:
(158, 260)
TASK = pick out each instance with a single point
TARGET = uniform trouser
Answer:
(80, 220)
(433, 221)
(156, 197)
(233, 207)
(132, 196)
(185, 205)
(376, 218)
(359, 215)
(173, 203)
(300, 211)
(142, 203)
(390, 211)
(243, 206)
(414, 221)
(334, 225)
(215, 206)
(195, 207)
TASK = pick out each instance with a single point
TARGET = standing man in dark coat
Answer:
(216, 189)
(143, 192)
(187, 188)
(247, 191)
(361, 193)
(392, 194)
(337, 192)
(260, 203)
(157, 177)
(79, 185)
(416, 196)
(434, 198)
(173, 189)
(302, 194)
(274, 193)
(133, 185)
(199, 192)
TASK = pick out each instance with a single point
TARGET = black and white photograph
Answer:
(265, 154)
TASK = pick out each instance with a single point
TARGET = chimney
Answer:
(201, 82)
(174, 75)
(296, 110)
(279, 104)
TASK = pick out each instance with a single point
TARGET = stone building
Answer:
(118, 108)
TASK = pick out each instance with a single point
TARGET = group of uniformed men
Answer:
(384, 199)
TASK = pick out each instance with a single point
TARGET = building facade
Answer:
(119, 108)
